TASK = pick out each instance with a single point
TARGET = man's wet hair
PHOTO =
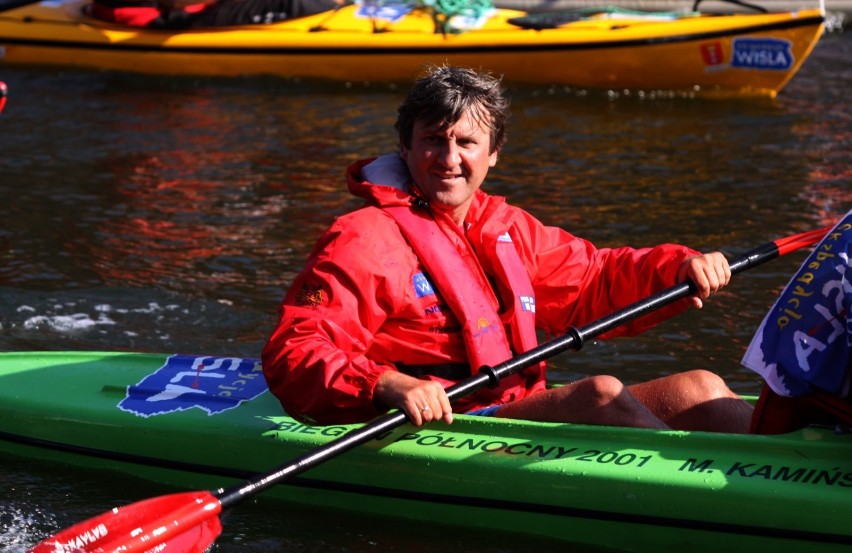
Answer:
(444, 93)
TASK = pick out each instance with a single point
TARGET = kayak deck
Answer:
(609, 487)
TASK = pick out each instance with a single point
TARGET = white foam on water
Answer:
(151, 308)
(101, 316)
(19, 529)
(67, 323)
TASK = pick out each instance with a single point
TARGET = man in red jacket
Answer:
(433, 278)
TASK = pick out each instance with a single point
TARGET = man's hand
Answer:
(422, 400)
(709, 272)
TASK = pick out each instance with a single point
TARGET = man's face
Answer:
(449, 165)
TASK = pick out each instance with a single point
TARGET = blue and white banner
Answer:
(805, 341)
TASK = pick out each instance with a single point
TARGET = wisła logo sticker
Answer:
(212, 384)
(762, 53)
(422, 286)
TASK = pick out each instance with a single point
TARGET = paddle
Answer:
(188, 522)
(3, 94)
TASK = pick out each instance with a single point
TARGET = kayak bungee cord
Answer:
(189, 522)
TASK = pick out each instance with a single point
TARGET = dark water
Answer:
(169, 215)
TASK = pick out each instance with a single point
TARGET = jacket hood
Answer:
(380, 181)
(384, 181)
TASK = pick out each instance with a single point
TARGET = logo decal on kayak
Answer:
(711, 53)
(422, 286)
(762, 53)
(385, 11)
(213, 384)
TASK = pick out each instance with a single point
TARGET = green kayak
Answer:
(202, 422)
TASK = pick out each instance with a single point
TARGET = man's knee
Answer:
(601, 389)
(705, 384)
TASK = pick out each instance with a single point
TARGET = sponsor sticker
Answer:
(711, 53)
(762, 53)
(212, 384)
(390, 11)
(527, 303)
(422, 286)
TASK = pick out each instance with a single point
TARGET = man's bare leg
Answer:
(594, 400)
(695, 400)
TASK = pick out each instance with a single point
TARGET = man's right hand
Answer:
(422, 400)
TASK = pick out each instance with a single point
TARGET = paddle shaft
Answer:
(572, 339)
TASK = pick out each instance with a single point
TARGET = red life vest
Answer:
(465, 287)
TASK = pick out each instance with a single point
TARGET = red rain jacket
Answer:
(354, 311)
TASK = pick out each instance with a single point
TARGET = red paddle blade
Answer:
(792, 243)
(3, 93)
(178, 523)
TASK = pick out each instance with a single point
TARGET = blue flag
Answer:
(805, 341)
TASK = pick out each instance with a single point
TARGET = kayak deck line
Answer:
(419, 496)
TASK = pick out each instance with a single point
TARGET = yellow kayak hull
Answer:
(729, 55)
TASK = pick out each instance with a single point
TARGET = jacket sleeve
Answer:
(577, 283)
(315, 360)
